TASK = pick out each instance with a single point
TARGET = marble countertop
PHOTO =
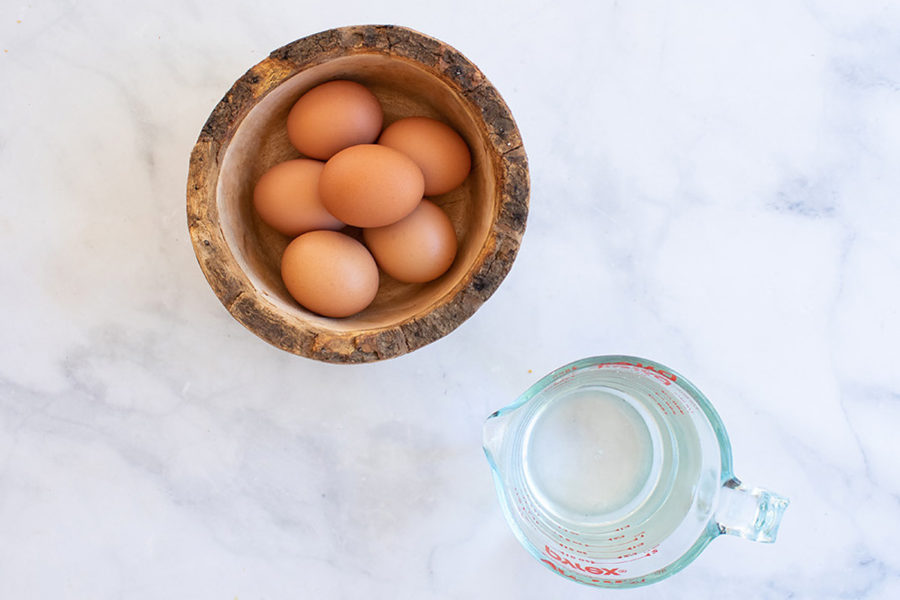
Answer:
(715, 188)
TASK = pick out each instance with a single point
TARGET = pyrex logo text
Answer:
(577, 566)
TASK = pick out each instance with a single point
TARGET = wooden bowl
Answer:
(411, 74)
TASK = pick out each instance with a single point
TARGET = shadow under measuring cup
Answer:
(615, 471)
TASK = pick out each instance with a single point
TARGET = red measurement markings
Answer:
(571, 549)
(662, 403)
(570, 540)
(659, 374)
(667, 405)
(569, 531)
(561, 533)
(678, 406)
(686, 404)
(631, 556)
(624, 540)
(582, 558)
(562, 378)
(561, 538)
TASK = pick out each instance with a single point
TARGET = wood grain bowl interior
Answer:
(488, 211)
(261, 142)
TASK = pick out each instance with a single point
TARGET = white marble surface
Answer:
(712, 187)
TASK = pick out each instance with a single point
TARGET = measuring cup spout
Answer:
(494, 430)
(750, 513)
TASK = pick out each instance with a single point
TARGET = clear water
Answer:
(591, 453)
(616, 451)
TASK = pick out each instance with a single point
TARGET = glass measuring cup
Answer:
(615, 471)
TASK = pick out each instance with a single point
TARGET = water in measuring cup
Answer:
(589, 453)
(598, 454)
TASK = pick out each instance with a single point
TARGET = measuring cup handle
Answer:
(750, 513)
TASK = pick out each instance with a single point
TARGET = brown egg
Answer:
(419, 248)
(329, 273)
(370, 185)
(334, 116)
(439, 151)
(287, 198)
